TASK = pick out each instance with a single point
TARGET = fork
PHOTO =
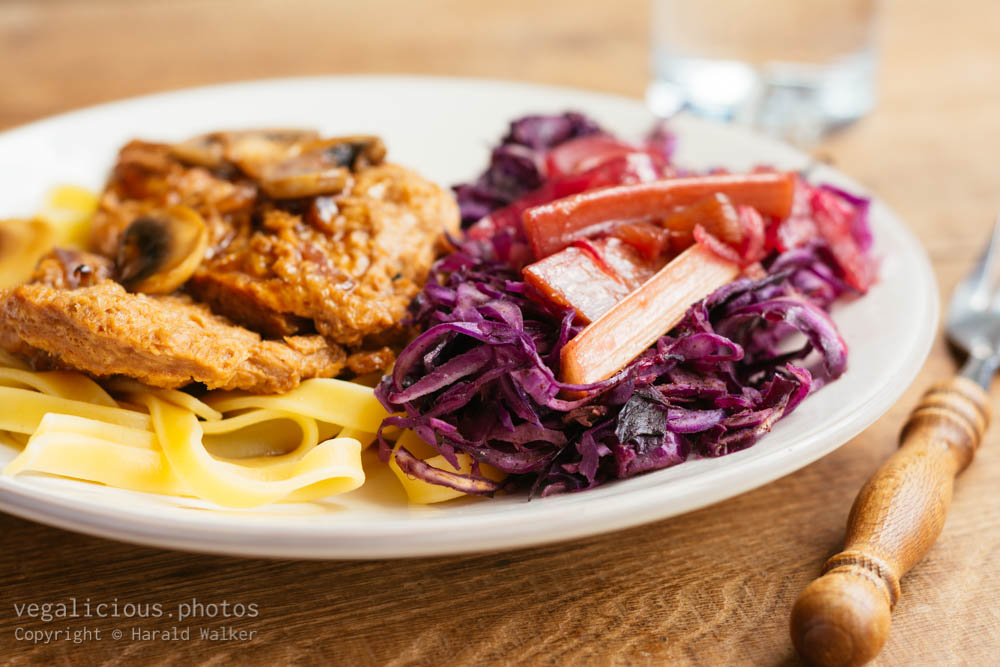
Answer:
(843, 617)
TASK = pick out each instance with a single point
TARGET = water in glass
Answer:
(794, 68)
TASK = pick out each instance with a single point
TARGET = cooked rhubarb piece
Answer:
(630, 266)
(629, 168)
(610, 342)
(591, 277)
(552, 226)
(649, 239)
(572, 278)
(715, 213)
(584, 153)
(834, 218)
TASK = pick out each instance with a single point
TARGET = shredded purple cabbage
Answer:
(517, 164)
(481, 378)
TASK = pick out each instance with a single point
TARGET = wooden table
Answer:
(711, 587)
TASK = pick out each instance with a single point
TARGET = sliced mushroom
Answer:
(354, 152)
(250, 148)
(302, 178)
(206, 150)
(216, 149)
(159, 251)
(319, 167)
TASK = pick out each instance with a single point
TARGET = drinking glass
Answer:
(792, 68)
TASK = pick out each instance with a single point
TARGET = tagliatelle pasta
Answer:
(96, 451)
(8, 360)
(236, 437)
(328, 400)
(22, 411)
(200, 408)
(230, 449)
(69, 385)
(327, 469)
(236, 454)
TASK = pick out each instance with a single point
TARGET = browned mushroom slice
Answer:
(205, 150)
(216, 149)
(159, 251)
(319, 167)
(248, 149)
(354, 152)
(298, 178)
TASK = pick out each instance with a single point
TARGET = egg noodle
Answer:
(77, 429)
(232, 449)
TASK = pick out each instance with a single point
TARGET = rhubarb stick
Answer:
(621, 334)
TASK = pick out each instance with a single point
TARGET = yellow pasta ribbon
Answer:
(9, 440)
(92, 428)
(183, 399)
(22, 410)
(326, 399)
(329, 468)
(65, 384)
(22, 244)
(98, 452)
(78, 430)
(8, 360)
(133, 459)
(256, 451)
(68, 210)
(365, 439)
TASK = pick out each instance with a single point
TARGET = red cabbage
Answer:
(517, 164)
(477, 485)
(541, 132)
(481, 378)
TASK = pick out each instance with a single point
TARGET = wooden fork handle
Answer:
(842, 618)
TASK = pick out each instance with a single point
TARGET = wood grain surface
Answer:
(711, 587)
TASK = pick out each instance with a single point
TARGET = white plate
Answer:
(444, 128)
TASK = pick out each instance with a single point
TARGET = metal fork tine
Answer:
(983, 278)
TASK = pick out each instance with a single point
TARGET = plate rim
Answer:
(637, 506)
